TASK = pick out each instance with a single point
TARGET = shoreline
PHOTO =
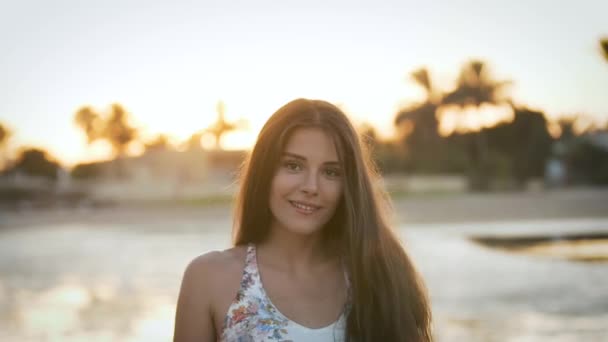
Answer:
(414, 209)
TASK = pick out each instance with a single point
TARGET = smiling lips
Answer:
(305, 208)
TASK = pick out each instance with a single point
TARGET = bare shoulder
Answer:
(207, 284)
(215, 264)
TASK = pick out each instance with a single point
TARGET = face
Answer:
(307, 185)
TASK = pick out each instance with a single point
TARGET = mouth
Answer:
(304, 208)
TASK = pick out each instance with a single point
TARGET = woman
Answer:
(314, 256)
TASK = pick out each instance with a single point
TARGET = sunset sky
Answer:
(169, 63)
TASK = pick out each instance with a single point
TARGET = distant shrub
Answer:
(86, 171)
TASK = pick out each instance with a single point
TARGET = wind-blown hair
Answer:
(388, 300)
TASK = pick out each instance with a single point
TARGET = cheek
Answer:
(277, 193)
(282, 183)
(334, 192)
(275, 188)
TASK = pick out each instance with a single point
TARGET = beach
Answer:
(432, 208)
(112, 273)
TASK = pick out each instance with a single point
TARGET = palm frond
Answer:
(604, 47)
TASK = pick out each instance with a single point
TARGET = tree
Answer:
(90, 122)
(220, 126)
(113, 128)
(36, 162)
(525, 142)
(476, 86)
(566, 126)
(86, 171)
(604, 48)
(586, 160)
(118, 131)
(423, 140)
(428, 108)
(5, 135)
(194, 142)
(159, 143)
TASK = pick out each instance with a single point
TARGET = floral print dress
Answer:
(253, 318)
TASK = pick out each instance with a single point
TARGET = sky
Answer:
(169, 63)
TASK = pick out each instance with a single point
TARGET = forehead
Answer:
(312, 143)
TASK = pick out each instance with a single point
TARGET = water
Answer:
(96, 282)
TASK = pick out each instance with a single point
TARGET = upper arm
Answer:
(193, 317)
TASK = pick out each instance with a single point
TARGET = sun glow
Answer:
(471, 119)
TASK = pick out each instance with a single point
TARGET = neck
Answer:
(294, 252)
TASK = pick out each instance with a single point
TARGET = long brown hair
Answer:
(388, 300)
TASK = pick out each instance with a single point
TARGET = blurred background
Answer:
(123, 125)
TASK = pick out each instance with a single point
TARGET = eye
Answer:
(291, 165)
(333, 173)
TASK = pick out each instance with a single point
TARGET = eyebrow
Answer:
(297, 156)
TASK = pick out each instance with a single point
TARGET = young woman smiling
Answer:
(314, 258)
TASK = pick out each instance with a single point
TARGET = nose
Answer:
(310, 184)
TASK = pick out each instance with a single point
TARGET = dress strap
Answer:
(250, 258)
(251, 266)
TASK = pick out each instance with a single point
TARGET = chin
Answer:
(307, 231)
(303, 229)
(300, 228)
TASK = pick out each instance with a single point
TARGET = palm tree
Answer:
(114, 128)
(422, 117)
(566, 125)
(220, 126)
(604, 48)
(5, 135)
(476, 86)
(421, 78)
(90, 122)
(117, 130)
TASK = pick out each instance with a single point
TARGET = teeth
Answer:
(302, 206)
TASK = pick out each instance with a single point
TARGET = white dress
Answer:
(253, 318)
